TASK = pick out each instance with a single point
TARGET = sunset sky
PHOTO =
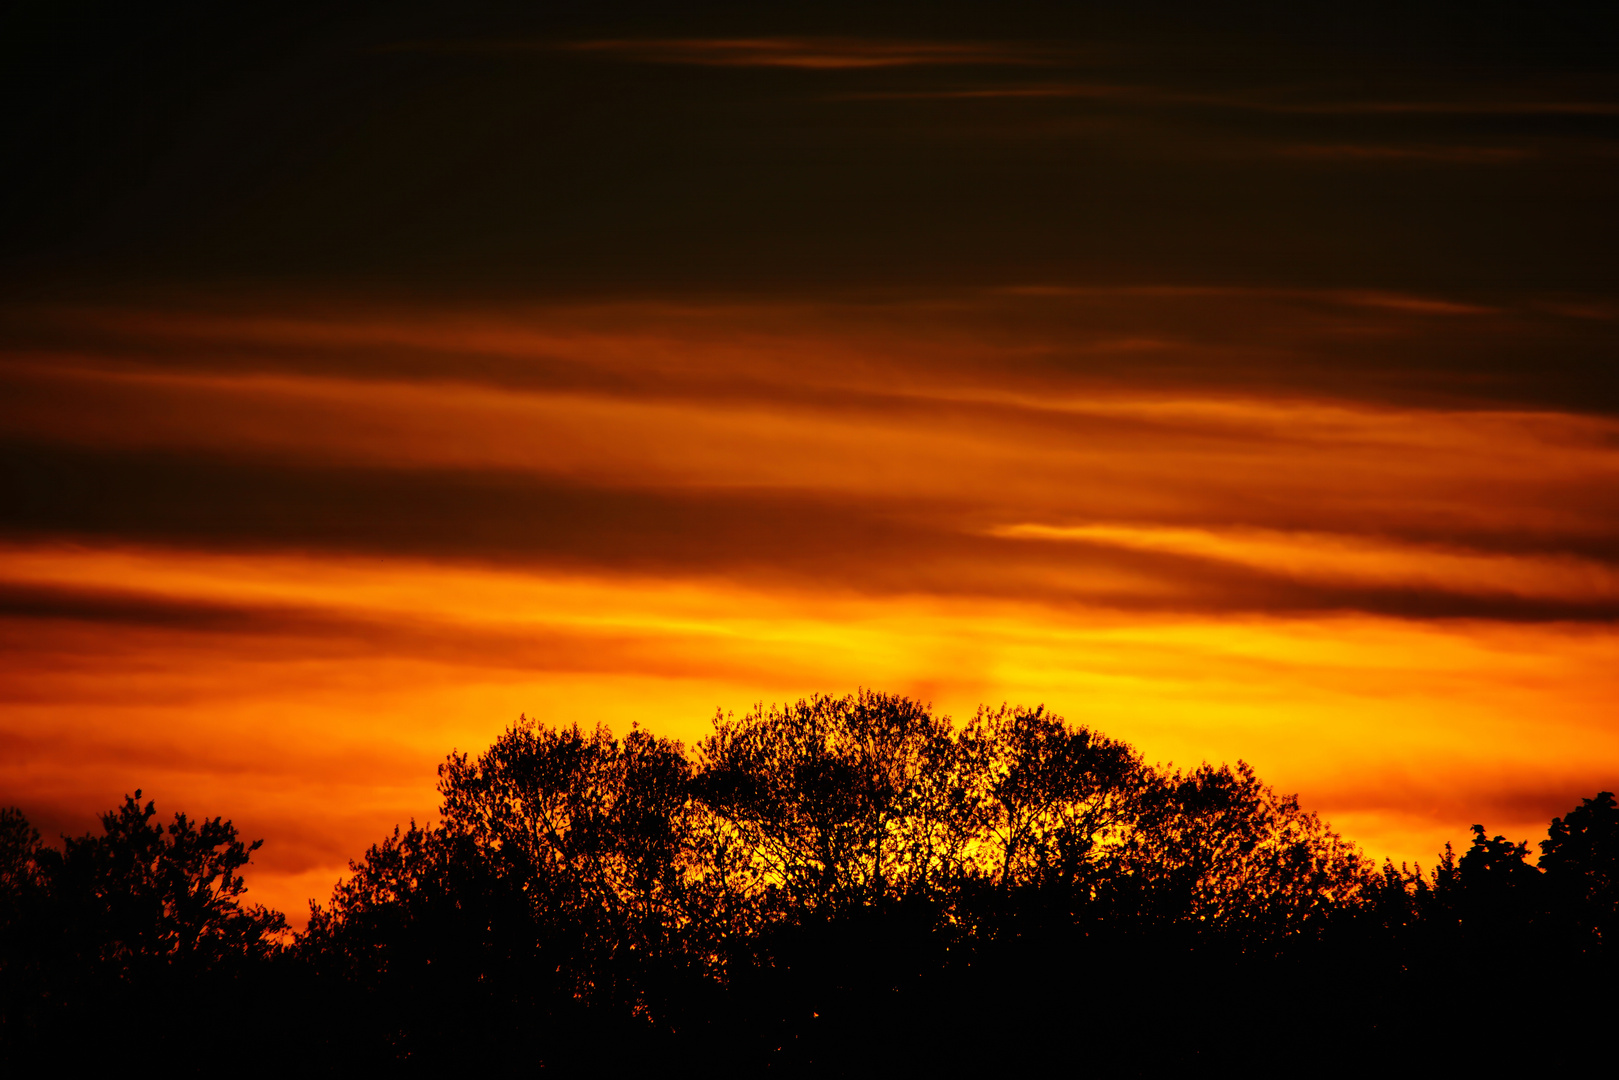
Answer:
(1243, 386)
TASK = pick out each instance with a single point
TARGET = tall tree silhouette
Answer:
(1580, 858)
(1050, 801)
(100, 934)
(549, 898)
(837, 801)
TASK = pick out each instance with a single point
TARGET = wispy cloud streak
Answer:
(823, 54)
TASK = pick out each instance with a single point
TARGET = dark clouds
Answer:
(1299, 147)
(767, 537)
(883, 447)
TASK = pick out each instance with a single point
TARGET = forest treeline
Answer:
(841, 885)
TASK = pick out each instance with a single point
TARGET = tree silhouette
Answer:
(1217, 847)
(19, 843)
(839, 885)
(145, 894)
(111, 925)
(1580, 858)
(837, 801)
(553, 886)
(1050, 801)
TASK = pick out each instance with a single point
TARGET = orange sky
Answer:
(328, 543)
(1238, 382)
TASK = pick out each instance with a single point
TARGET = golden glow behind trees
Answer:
(836, 803)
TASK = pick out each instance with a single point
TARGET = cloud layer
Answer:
(250, 550)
